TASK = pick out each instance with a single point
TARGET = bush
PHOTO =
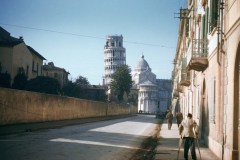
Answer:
(71, 90)
(20, 81)
(44, 85)
(5, 80)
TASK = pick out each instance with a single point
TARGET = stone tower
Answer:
(114, 56)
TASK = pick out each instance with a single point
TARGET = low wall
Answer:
(18, 106)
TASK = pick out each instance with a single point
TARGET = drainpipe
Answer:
(221, 7)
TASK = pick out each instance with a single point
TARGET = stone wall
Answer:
(25, 107)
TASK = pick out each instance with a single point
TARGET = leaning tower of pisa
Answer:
(114, 56)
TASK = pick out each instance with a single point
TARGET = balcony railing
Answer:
(179, 88)
(197, 55)
(185, 74)
(185, 78)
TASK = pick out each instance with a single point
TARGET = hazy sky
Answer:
(71, 33)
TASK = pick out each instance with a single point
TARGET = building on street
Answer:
(153, 94)
(206, 72)
(17, 57)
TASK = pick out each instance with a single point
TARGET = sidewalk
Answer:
(167, 148)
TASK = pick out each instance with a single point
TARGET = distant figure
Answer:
(179, 117)
(169, 118)
(188, 130)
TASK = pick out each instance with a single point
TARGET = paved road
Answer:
(106, 140)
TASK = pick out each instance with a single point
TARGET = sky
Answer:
(72, 33)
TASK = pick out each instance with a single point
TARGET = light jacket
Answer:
(188, 128)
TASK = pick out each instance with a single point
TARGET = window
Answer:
(212, 99)
(21, 70)
(187, 27)
(206, 22)
(213, 16)
(112, 44)
(33, 63)
(120, 44)
(55, 75)
(27, 70)
(37, 69)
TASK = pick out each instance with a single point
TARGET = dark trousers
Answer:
(169, 125)
(189, 142)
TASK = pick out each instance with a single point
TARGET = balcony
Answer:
(185, 74)
(179, 88)
(204, 2)
(197, 55)
(185, 78)
(175, 94)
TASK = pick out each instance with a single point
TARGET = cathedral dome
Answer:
(142, 65)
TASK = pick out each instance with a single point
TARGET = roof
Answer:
(50, 66)
(7, 40)
(147, 83)
(142, 65)
(35, 52)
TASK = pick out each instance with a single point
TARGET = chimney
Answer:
(21, 38)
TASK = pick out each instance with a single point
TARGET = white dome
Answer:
(142, 65)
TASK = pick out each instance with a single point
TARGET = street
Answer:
(104, 140)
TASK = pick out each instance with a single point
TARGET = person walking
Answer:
(169, 118)
(179, 117)
(188, 130)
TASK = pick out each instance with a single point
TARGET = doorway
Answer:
(236, 114)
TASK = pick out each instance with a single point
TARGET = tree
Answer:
(71, 89)
(20, 81)
(133, 98)
(82, 81)
(44, 85)
(77, 89)
(121, 81)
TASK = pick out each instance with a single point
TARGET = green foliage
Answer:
(96, 94)
(5, 80)
(133, 98)
(44, 85)
(71, 90)
(20, 81)
(82, 81)
(121, 81)
(82, 89)
(76, 89)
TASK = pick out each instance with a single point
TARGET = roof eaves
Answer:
(35, 52)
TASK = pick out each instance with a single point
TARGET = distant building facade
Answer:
(206, 74)
(16, 57)
(58, 73)
(164, 93)
(114, 56)
(153, 94)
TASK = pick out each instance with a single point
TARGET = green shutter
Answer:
(206, 21)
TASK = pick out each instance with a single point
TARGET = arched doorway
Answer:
(236, 120)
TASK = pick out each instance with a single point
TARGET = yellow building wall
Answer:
(6, 56)
(22, 57)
